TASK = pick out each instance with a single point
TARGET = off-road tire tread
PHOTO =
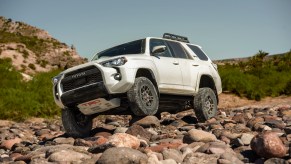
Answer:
(136, 105)
(72, 128)
(198, 105)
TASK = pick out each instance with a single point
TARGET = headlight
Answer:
(56, 79)
(114, 62)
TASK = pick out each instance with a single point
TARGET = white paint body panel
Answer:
(174, 76)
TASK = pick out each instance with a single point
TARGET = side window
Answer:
(200, 54)
(158, 42)
(178, 50)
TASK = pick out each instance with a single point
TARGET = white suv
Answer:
(142, 77)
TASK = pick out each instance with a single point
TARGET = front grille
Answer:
(81, 77)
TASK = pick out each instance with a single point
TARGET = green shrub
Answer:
(25, 54)
(31, 66)
(20, 100)
(258, 78)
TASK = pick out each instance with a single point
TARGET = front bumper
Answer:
(74, 97)
(76, 87)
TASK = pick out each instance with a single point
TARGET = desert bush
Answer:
(25, 54)
(31, 66)
(258, 78)
(20, 100)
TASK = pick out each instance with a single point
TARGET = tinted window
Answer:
(135, 47)
(178, 50)
(158, 42)
(198, 52)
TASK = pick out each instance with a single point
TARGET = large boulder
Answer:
(268, 145)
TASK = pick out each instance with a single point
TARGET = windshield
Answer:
(134, 47)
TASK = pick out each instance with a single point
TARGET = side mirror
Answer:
(159, 49)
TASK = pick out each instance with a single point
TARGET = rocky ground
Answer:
(245, 134)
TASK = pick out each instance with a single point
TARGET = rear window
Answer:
(200, 54)
(178, 50)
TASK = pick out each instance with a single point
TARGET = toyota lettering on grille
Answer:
(78, 75)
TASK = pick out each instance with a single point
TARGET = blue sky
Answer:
(224, 28)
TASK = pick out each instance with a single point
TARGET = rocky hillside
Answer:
(34, 50)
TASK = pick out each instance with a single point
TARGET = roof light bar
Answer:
(176, 37)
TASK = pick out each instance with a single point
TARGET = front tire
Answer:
(205, 104)
(143, 97)
(75, 123)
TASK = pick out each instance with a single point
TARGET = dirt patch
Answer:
(227, 100)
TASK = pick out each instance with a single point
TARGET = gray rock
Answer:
(201, 158)
(120, 130)
(67, 156)
(230, 157)
(275, 161)
(246, 138)
(168, 161)
(230, 134)
(224, 161)
(122, 155)
(62, 140)
(201, 136)
(173, 154)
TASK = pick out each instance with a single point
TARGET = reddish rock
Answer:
(7, 144)
(44, 137)
(101, 140)
(124, 140)
(268, 145)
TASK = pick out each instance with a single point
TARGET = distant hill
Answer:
(33, 50)
(246, 59)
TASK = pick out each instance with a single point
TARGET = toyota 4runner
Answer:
(142, 77)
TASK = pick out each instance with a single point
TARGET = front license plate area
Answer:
(98, 105)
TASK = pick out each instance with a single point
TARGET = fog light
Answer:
(117, 76)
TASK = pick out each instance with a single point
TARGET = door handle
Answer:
(176, 63)
(195, 65)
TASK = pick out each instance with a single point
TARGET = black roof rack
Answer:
(176, 37)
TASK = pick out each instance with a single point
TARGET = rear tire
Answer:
(143, 97)
(205, 104)
(75, 123)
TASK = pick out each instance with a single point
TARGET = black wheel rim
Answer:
(146, 96)
(209, 109)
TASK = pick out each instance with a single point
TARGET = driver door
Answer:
(168, 68)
